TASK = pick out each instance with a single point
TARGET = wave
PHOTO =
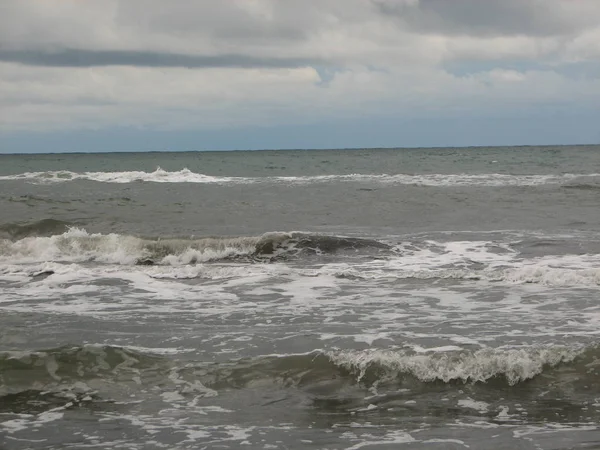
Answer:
(527, 274)
(67, 366)
(583, 186)
(43, 227)
(19, 369)
(542, 275)
(158, 176)
(374, 366)
(187, 176)
(184, 258)
(514, 365)
(77, 245)
(31, 380)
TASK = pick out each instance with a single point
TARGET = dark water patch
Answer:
(144, 262)
(543, 246)
(115, 199)
(43, 227)
(55, 369)
(33, 200)
(42, 275)
(37, 401)
(582, 186)
(293, 244)
(284, 371)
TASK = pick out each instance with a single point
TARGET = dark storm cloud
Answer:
(487, 18)
(93, 58)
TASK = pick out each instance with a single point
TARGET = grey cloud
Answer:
(290, 21)
(146, 32)
(491, 18)
(93, 58)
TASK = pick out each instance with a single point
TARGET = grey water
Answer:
(326, 299)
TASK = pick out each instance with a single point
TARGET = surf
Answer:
(569, 180)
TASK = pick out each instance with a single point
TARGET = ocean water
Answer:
(423, 298)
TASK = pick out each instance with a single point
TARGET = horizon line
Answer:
(91, 152)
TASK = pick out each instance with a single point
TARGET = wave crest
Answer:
(187, 176)
(515, 365)
(77, 245)
(377, 367)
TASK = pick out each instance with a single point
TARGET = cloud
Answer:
(207, 64)
(540, 18)
(94, 58)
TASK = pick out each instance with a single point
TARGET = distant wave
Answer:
(158, 176)
(187, 176)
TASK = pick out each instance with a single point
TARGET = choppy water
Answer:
(443, 298)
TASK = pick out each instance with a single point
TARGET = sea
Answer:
(442, 298)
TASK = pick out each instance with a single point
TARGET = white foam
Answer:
(77, 245)
(214, 271)
(60, 292)
(474, 260)
(481, 407)
(74, 245)
(160, 351)
(516, 364)
(445, 441)
(565, 270)
(32, 421)
(187, 176)
(390, 438)
(158, 176)
(455, 254)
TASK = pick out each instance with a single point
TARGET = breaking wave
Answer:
(370, 259)
(515, 365)
(67, 366)
(187, 176)
(372, 367)
(77, 245)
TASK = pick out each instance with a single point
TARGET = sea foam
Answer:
(515, 364)
(187, 176)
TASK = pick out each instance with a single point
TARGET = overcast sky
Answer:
(232, 74)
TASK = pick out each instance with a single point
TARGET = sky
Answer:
(136, 75)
